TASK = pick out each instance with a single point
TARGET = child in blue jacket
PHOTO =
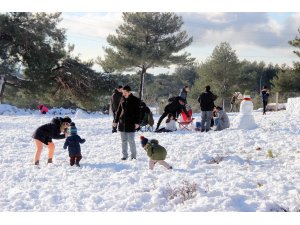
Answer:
(73, 144)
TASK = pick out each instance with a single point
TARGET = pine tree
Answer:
(146, 40)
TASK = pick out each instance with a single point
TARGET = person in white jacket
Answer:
(170, 124)
(222, 119)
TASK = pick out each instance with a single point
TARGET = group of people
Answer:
(127, 112)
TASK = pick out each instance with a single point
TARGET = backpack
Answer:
(156, 152)
(171, 99)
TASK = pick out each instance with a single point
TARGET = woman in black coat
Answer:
(45, 133)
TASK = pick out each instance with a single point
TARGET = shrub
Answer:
(184, 192)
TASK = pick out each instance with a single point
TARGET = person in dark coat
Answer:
(175, 107)
(144, 110)
(265, 97)
(128, 120)
(45, 133)
(73, 144)
(206, 100)
(115, 101)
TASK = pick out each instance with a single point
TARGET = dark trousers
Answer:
(114, 129)
(265, 103)
(75, 160)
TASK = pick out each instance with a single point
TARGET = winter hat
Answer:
(144, 141)
(72, 129)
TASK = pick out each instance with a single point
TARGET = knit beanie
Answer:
(72, 129)
(144, 141)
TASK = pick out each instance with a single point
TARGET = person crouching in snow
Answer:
(73, 144)
(43, 109)
(156, 152)
(45, 133)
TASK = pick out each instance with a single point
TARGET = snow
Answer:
(293, 106)
(245, 180)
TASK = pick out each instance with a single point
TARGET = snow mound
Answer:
(6, 109)
(293, 106)
(81, 114)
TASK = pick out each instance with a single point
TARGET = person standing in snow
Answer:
(155, 152)
(128, 119)
(73, 144)
(115, 101)
(233, 101)
(45, 133)
(183, 93)
(265, 97)
(206, 100)
(222, 119)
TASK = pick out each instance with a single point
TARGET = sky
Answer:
(256, 30)
(254, 36)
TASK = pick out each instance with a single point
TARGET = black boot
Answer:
(49, 161)
(37, 162)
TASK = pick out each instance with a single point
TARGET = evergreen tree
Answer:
(146, 40)
(30, 44)
(296, 43)
(288, 79)
(220, 71)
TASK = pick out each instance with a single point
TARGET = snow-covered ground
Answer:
(246, 179)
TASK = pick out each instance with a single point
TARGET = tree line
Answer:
(38, 66)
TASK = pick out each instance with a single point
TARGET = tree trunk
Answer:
(141, 91)
(2, 85)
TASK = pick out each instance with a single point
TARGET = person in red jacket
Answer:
(43, 109)
(45, 133)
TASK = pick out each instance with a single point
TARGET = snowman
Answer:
(245, 119)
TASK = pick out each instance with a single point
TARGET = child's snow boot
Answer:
(37, 162)
(49, 161)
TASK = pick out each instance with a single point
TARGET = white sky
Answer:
(250, 28)
(254, 36)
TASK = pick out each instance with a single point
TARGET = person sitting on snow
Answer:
(155, 152)
(170, 125)
(222, 120)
